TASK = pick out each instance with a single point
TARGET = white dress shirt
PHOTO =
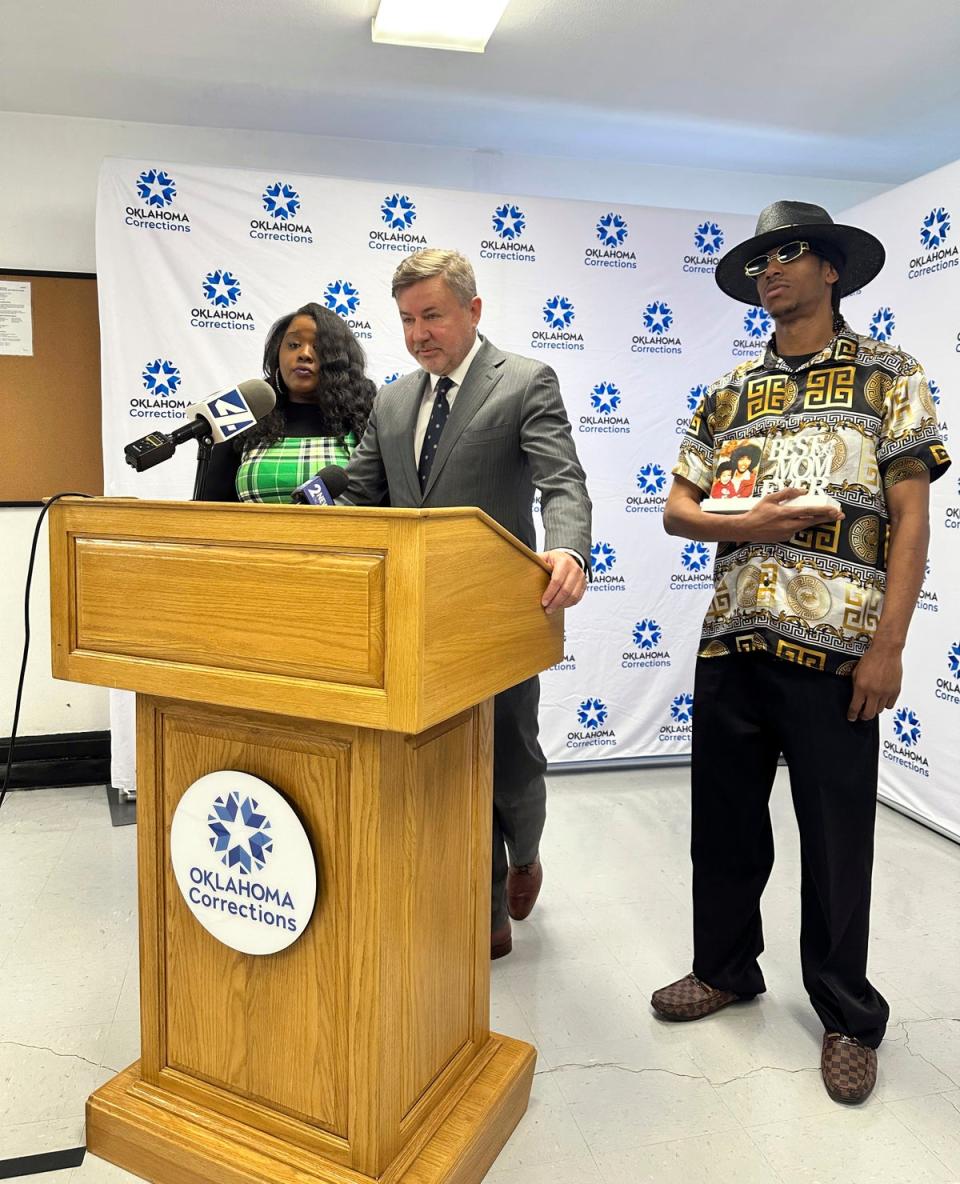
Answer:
(456, 376)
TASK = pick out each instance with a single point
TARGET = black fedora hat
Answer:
(862, 255)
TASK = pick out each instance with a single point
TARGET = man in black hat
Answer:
(801, 646)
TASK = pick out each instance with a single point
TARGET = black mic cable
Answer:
(26, 635)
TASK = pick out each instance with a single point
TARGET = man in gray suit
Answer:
(478, 427)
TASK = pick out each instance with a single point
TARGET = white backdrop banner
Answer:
(195, 264)
(915, 303)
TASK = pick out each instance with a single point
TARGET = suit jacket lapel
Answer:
(408, 413)
(481, 378)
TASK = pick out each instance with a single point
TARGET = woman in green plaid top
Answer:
(316, 366)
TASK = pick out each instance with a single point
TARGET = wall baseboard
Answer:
(67, 758)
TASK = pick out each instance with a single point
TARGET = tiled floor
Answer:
(619, 1098)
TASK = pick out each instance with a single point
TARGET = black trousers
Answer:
(748, 709)
(519, 790)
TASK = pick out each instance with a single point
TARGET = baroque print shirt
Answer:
(850, 422)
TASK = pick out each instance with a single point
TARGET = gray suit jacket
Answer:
(507, 434)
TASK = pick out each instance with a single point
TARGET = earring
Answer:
(278, 382)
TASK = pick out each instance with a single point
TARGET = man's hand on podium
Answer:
(568, 581)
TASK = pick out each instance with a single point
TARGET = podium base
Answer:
(140, 1134)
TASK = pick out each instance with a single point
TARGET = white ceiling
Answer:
(854, 89)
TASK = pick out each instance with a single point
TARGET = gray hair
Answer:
(455, 268)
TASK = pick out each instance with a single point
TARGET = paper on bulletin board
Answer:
(16, 321)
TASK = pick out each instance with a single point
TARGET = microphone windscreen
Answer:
(335, 479)
(260, 396)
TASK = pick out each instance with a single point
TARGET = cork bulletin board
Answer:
(50, 398)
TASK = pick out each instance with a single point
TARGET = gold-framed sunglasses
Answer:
(785, 254)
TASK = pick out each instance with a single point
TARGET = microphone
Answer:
(322, 489)
(219, 418)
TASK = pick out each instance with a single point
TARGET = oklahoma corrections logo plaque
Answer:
(243, 862)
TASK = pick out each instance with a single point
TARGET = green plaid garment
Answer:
(271, 472)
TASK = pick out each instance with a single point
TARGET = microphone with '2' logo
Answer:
(322, 489)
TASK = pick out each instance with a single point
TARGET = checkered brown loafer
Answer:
(691, 999)
(848, 1068)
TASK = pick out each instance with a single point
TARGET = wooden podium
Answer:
(348, 657)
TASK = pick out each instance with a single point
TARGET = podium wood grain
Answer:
(347, 658)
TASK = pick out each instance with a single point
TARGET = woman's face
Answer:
(299, 369)
(743, 464)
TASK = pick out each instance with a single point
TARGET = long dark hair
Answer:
(344, 393)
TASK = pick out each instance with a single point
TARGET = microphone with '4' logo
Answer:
(322, 489)
(219, 418)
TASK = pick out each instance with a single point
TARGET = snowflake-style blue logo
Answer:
(651, 478)
(592, 713)
(695, 395)
(757, 322)
(281, 200)
(161, 377)
(239, 833)
(612, 230)
(391, 378)
(342, 297)
(681, 709)
(953, 658)
(658, 316)
(906, 726)
(708, 238)
(605, 398)
(156, 187)
(934, 390)
(646, 634)
(882, 324)
(221, 288)
(935, 228)
(398, 211)
(695, 557)
(558, 312)
(602, 558)
(508, 220)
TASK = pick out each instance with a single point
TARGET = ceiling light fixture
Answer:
(438, 24)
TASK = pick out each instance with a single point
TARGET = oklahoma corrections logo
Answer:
(903, 749)
(882, 324)
(658, 321)
(157, 190)
(680, 727)
(936, 256)
(398, 212)
(558, 314)
(240, 833)
(650, 499)
(161, 380)
(226, 832)
(591, 716)
(508, 223)
(695, 576)
(222, 291)
(569, 661)
(343, 298)
(605, 417)
(612, 232)
(942, 425)
(757, 326)
(647, 651)
(948, 689)
(281, 203)
(603, 558)
(708, 242)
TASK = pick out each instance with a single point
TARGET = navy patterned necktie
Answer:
(438, 419)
